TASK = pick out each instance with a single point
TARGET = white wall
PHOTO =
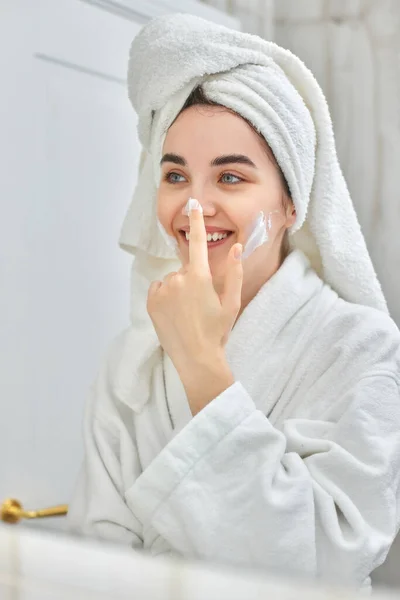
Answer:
(353, 48)
(256, 16)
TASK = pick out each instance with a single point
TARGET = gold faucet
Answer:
(11, 511)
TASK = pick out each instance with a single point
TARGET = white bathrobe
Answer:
(293, 468)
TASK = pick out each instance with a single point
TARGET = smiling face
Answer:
(232, 191)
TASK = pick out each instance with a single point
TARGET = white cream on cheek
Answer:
(259, 233)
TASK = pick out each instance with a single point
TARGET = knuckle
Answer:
(202, 275)
(166, 277)
(169, 278)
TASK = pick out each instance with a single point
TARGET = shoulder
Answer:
(362, 325)
(354, 351)
(363, 340)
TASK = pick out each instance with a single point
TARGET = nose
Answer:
(209, 208)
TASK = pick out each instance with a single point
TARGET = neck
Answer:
(254, 279)
(255, 275)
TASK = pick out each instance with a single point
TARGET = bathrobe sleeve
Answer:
(319, 498)
(98, 507)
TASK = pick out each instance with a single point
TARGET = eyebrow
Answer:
(225, 159)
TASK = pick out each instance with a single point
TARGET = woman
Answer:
(250, 414)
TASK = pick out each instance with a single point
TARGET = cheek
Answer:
(166, 211)
(267, 199)
(243, 215)
(246, 215)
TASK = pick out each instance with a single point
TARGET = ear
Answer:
(291, 215)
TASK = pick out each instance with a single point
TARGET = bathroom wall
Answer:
(256, 16)
(353, 48)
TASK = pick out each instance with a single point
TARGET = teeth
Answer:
(211, 237)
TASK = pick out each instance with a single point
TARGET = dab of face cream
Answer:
(191, 204)
(259, 233)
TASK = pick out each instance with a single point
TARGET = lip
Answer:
(210, 245)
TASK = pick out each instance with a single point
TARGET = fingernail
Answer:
(238, 252)
(192, 204)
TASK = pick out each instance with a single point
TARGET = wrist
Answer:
(205, 379)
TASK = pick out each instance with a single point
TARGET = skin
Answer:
(194, 310)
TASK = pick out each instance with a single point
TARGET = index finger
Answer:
(198, 250)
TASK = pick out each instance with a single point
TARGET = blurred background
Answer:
(68, 162)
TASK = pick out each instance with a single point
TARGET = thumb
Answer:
(232, 293)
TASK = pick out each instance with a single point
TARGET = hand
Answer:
(192, 321)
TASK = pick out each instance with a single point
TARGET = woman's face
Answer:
(232, 194)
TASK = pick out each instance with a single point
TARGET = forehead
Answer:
(211, 127)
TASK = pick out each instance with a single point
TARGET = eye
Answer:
(231, 175)
(168, 177)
